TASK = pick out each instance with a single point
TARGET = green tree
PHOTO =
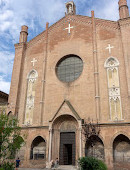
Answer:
(90, 163)
(10, 140)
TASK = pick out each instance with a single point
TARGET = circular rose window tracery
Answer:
(69, 68)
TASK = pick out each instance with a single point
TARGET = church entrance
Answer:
(67, 148)
(65, 135)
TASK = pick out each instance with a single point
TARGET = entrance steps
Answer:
(66, 167)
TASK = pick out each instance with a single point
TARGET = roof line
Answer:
(71, 108)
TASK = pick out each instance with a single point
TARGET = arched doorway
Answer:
(38, 148)
(121, 149)
(95, 148)
(64, 139)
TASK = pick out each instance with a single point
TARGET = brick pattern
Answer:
(90, 45)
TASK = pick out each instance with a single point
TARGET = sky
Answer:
(35, 14)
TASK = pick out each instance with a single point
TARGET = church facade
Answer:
(76, 71)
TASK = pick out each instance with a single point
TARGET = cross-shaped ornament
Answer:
(34, 61)
(69, 28)
(109, 48)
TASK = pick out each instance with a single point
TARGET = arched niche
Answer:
(121, 149)
(95, 148)
(38, 148)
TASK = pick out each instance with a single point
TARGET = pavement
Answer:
(31, 169)
(59, 168)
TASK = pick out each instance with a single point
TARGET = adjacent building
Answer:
(3, 101)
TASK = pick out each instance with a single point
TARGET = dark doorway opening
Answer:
(67, 148)
(67, 154)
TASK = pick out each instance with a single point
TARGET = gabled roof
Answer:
(70, 107)
(4, 95)
(80, 19)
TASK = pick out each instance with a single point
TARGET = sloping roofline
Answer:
(4, 95)
(71, 108)
(68, 16)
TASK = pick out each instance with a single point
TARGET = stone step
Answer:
(66, 167)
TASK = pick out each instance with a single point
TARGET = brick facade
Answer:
(87, 96)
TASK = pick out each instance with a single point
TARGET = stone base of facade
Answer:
(33, 164)
(122, 166)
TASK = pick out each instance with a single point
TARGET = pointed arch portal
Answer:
(65, 133)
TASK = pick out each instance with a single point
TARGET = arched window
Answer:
(31, 87)
(38, 148)
(94, 147)
(112, 65)
(121, 149)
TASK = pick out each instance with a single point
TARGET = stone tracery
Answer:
(31, 86)
(111, 65)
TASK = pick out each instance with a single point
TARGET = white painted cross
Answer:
(69, 28)
(34, 61)
(109, 48)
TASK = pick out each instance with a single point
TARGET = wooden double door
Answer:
(67, 148)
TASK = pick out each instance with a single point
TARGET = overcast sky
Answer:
(35, 14)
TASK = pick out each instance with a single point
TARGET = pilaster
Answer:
(96, 73)
(125, 38)
(16, 78)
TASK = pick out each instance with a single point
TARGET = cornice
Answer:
(85, 20)
(107, 24)
(20, 45)
(114, 124)
(4, 95)
(34, 127)
(35, 40)
(124, 22)
(100, 124)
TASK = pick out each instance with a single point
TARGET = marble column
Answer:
(80, 139)
(50, 143)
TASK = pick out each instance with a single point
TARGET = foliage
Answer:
(7, 166)
(90, 131)
(10, 139)
(102, 165)
(90, 163)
